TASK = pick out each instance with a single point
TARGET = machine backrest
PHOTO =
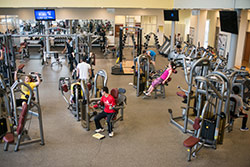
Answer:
(78, 87)
(21, 121)
(65, 88)
(115, 93)
(196, 124)
(232, 108)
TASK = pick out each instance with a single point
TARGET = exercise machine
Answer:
(165, 47)
(20, 119)
(148, 37)
(125, 67)
(101, 79)
(209, 125)
(141, 74)
(198, 68)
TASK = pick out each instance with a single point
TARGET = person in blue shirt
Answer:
(152, 55)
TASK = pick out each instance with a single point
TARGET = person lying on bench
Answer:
(109, 102)
(162, 79)
(25, 91)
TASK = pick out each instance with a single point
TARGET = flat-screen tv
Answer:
(171, 15)
(229, 22)
(45, 14)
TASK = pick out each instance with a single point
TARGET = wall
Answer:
(182, 26)
(91, 13)
(88, 3)
(193, 23)
(202, 26)
(212, 16)
(241, 37)
(83, 13)
(69, 13)
(211, 4)
(120, 20)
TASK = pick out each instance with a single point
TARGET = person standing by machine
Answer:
(70, 52)
(84, 70)
(2, 63)
(151, 54)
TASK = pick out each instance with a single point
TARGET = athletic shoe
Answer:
(111, 134)
(148, 94)
(244, 130)
(99, 130)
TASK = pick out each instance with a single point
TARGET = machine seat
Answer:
(191, 141)
(65, 88)
(181, 94)
(9, 138)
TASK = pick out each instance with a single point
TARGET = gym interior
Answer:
(177, 70)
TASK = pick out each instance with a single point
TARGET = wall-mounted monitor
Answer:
(229, 22)
(171, 15)
(45, 14)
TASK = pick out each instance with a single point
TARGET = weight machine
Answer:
(124, 68)
(198, 68)
(141, 74)
(20, 119)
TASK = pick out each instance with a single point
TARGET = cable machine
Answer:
(124, 67)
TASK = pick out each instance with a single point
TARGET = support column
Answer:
(197, 29)
(77, 49)
(70, 27)
(47, 38)
(233, 46)
(172, 36)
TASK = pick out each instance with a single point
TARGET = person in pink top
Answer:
(162, 79)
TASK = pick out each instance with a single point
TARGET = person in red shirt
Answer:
(109, 102)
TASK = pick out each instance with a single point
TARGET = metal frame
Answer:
(203, 71)
(103, 74)
(30, 105)
(137, 62)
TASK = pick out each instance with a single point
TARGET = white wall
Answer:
(211, 4)
(202, 27)
(120, 20)
(212, 16)
(87, 3)
(193, 23)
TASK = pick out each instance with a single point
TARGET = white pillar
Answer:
(233, 46)
(47, 38)
(172, 36)
(197, 28)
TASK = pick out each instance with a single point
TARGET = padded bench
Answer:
(192, 141)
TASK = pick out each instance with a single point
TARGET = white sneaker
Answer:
(99, 130)
(244, 130)
(111, 134)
